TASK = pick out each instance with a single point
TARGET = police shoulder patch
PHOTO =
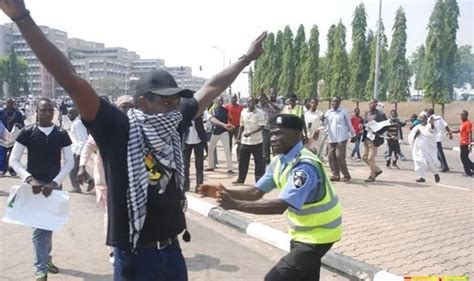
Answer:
(299, 178)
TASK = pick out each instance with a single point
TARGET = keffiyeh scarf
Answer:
(156, 134)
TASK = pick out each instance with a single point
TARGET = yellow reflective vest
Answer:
(318, 222)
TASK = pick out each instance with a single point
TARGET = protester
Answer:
(234, 109)
(195, 139)
(372, 140)
(293, 108)
(145, 216)
(306, 194)
(423, 141)
(441, 127)
(414, 121)
(78, 134)
(10, 117)
(356, 121)
(252, 122)
(220, 132)
(394, 135)
(271, 107)
(465, 143)
(339, 129)
(44, 143)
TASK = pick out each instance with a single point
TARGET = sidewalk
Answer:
(394, 224)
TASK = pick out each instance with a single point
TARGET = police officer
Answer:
(306, 194)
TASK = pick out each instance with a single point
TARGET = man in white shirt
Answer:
(339, 129)
(312, 119)
(252, 122)
(78, 134)
(44, 143)
(441, 126)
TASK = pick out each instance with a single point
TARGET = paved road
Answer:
(216, 252)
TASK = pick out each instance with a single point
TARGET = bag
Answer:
(378, 141)
(35, 210)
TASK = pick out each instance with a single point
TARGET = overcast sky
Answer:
(186, 32)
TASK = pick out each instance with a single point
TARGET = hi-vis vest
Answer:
(316, 223)
(297, 110)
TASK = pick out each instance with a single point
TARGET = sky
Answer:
(204, 33)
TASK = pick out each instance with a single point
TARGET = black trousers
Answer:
(393, 147)
(198, 163)
(441, 157)
(302, 263)
(257, 152)
(466, 162)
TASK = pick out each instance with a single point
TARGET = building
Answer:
(184, 77)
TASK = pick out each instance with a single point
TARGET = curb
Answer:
(348, 266)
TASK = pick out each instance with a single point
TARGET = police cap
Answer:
(287, 121)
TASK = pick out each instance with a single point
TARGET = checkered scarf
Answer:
(156, 134)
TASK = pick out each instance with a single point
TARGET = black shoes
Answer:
(437, 178)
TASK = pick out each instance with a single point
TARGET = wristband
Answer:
(245, 59)
(25, 14)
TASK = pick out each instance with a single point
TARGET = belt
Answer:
(158, 244)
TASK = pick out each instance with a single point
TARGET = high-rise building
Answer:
(184, 77)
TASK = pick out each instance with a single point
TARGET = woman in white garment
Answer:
(423, 142)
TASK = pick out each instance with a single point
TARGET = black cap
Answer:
(288, 121)
(162, 83)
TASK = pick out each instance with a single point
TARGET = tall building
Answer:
(110, 70)
(184, 77)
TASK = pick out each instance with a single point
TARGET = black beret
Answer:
(288, 121)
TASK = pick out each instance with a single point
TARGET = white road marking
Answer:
(455, 187)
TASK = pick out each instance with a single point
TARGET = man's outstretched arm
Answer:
(219, 82)
(53, 59)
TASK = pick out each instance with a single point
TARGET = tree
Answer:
(326, 89)
(339, 64)
(13, 71)
(276, 60)
(262, 73)
(464, 66)
(383, 75)
(416, 63)
(286, 83)
(313, 71)
(358, 56)
(399, 71)
(441, 52)
(302, 77)
(300, 59)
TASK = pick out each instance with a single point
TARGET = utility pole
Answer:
(377, 54)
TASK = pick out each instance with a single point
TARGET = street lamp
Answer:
(377, 53)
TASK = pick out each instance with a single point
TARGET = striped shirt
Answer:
(338, 125)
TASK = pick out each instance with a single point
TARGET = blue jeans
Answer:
(2, 159)
(150, 264)
(356, 148)
(43, 244)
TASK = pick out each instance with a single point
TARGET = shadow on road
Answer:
(204, 262)
(86, 276)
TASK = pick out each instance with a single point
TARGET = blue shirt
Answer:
(294, 193)
(338, 125)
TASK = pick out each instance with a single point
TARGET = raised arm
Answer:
(219, 82)
(80, 91)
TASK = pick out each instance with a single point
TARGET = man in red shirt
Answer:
(234, 110)
(465, 140)
(356, 121)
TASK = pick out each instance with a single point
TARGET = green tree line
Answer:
(13, 73)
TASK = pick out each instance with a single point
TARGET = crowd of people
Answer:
(143, 145)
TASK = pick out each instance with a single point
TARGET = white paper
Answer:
(377, 126)
(36, 210)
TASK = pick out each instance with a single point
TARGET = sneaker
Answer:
(209, 169)
(395, 165)
(420, 180)
(437, 178)
(445, 170)
(111, 258)
(334, 178)
(237, 182)
(388, 164)
(357, 160)
(346, 179)
(378, 174)
(75, 190)
(41, 276)
(12, 172)
(402, 158)
(370, 179)
(52, 268)
(230, 172)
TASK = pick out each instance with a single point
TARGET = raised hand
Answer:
(256, 48)
(210, 190)
(13, 8)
